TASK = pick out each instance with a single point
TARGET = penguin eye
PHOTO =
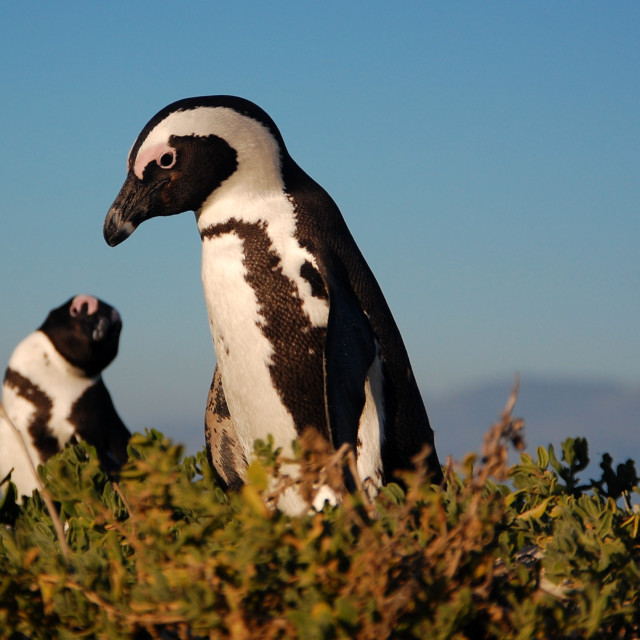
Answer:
(167, 160)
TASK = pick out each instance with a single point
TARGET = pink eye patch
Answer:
(162, 154)
(79, 301)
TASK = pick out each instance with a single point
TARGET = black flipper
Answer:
(96, 421)
(350, 350)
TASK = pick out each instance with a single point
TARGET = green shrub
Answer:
(165, 553)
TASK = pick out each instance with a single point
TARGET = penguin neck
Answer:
(248, 205)
(255, 185)
(225, 227)
(270, 216)
(37, 358)
(41, 387)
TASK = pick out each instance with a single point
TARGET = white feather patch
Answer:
(14, 459)
(244, 353)
(371, 427)
(36, 359)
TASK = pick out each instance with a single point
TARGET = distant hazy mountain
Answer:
(605, 413)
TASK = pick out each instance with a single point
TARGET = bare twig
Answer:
(353, 467)
(508, 430)
(447, 475)
(119, 491)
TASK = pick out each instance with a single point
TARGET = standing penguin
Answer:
(301, 330)
(53, 392)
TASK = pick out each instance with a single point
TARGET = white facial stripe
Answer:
(241, 132)
(257, 149)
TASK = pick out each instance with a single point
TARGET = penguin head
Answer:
(189, 152)
(85, 331)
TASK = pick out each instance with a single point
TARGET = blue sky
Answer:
(485, 155)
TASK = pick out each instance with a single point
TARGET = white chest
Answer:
(244, 353)
(36, 360)
(42, 386)
(237, 305)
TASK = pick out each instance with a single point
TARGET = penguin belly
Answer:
(32, 394)
(14, 459)
(244, 353)
(266, 391)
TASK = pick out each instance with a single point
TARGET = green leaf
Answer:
(543, 457)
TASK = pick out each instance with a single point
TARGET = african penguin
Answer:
(53, 392)
(302, 332)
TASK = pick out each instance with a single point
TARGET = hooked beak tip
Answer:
(116, 232)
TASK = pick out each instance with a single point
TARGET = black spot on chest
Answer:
(297, 362)
(39, 427)
(311, 275)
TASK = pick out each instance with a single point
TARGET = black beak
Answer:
(133, 205)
